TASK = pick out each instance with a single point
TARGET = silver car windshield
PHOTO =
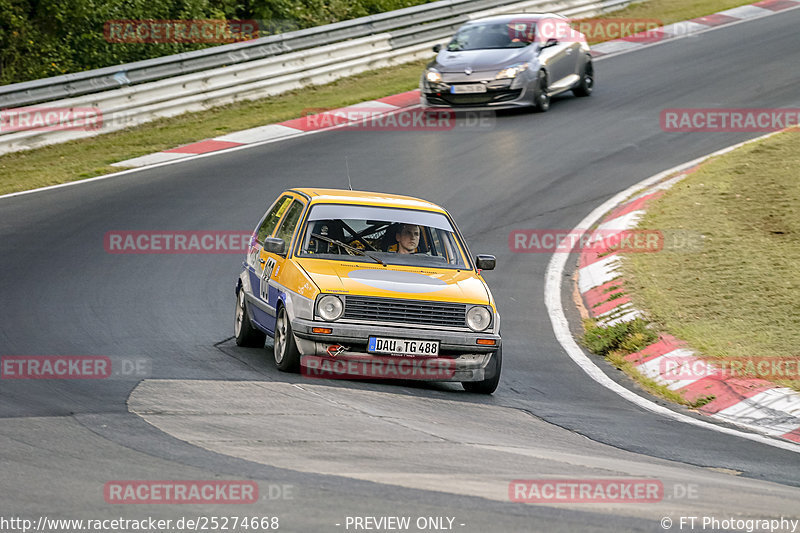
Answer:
(393, 236)
(490, 35)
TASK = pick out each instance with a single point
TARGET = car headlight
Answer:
(478, 318)
(512, 71)
(433, 76)
(330, 307)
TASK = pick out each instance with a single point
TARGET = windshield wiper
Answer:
(348, 247)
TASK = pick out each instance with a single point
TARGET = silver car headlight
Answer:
(512, 71)
(433, 76)
(479, 318)
(330, 307)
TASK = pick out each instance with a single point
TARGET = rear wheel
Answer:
(287, 356)
(542, 102)
(243, 331)
(584, 88)
(487, 386)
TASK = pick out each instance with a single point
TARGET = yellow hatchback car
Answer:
(354, 284)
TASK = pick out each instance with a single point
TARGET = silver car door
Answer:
(558, 59)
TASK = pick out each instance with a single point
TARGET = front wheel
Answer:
(487, 386)
(243, 331)
(287, 356)
(542, 102)
(584, 88)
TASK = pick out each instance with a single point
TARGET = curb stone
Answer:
(756, 404)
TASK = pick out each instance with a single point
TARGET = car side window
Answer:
(286, 230)
(273, 217)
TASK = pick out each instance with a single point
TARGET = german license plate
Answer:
(468, 88)
(390, 346)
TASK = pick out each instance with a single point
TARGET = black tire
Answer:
(584, 88)
(243, 330)
(542, 103)
(287, 356)
(487, 386)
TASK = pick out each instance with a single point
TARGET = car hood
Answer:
(393, 281)
(480, 60)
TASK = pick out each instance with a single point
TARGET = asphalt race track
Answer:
(320, 450)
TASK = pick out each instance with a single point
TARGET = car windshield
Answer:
(381, 234)
(492, 35)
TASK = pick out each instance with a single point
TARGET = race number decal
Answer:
(265, 275)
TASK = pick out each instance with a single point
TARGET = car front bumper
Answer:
(460, 358)
(497, 96)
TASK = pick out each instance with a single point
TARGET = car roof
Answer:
(516, 16)
(345, 196)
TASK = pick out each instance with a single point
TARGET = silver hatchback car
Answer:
(509, 61)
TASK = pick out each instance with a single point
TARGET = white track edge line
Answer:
(552, 299)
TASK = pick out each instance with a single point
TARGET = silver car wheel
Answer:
(280, 336)
(244, 332)
(588, 80)
(586, 83)
(239, 318)
(542, 96)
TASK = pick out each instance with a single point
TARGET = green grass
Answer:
(617, 341)
(623, 338)
(739, 296)
(91, 157)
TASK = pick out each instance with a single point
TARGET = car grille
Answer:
(456, 100)
(405, 311)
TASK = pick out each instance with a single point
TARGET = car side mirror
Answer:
(274, 245)
(437, 47)
(485, 262)
(552, 41)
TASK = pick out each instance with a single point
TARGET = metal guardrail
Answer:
(92, 81)
(134, 93)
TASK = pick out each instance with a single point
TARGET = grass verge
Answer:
(737, 297)
(617, 341)
(92, 157)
